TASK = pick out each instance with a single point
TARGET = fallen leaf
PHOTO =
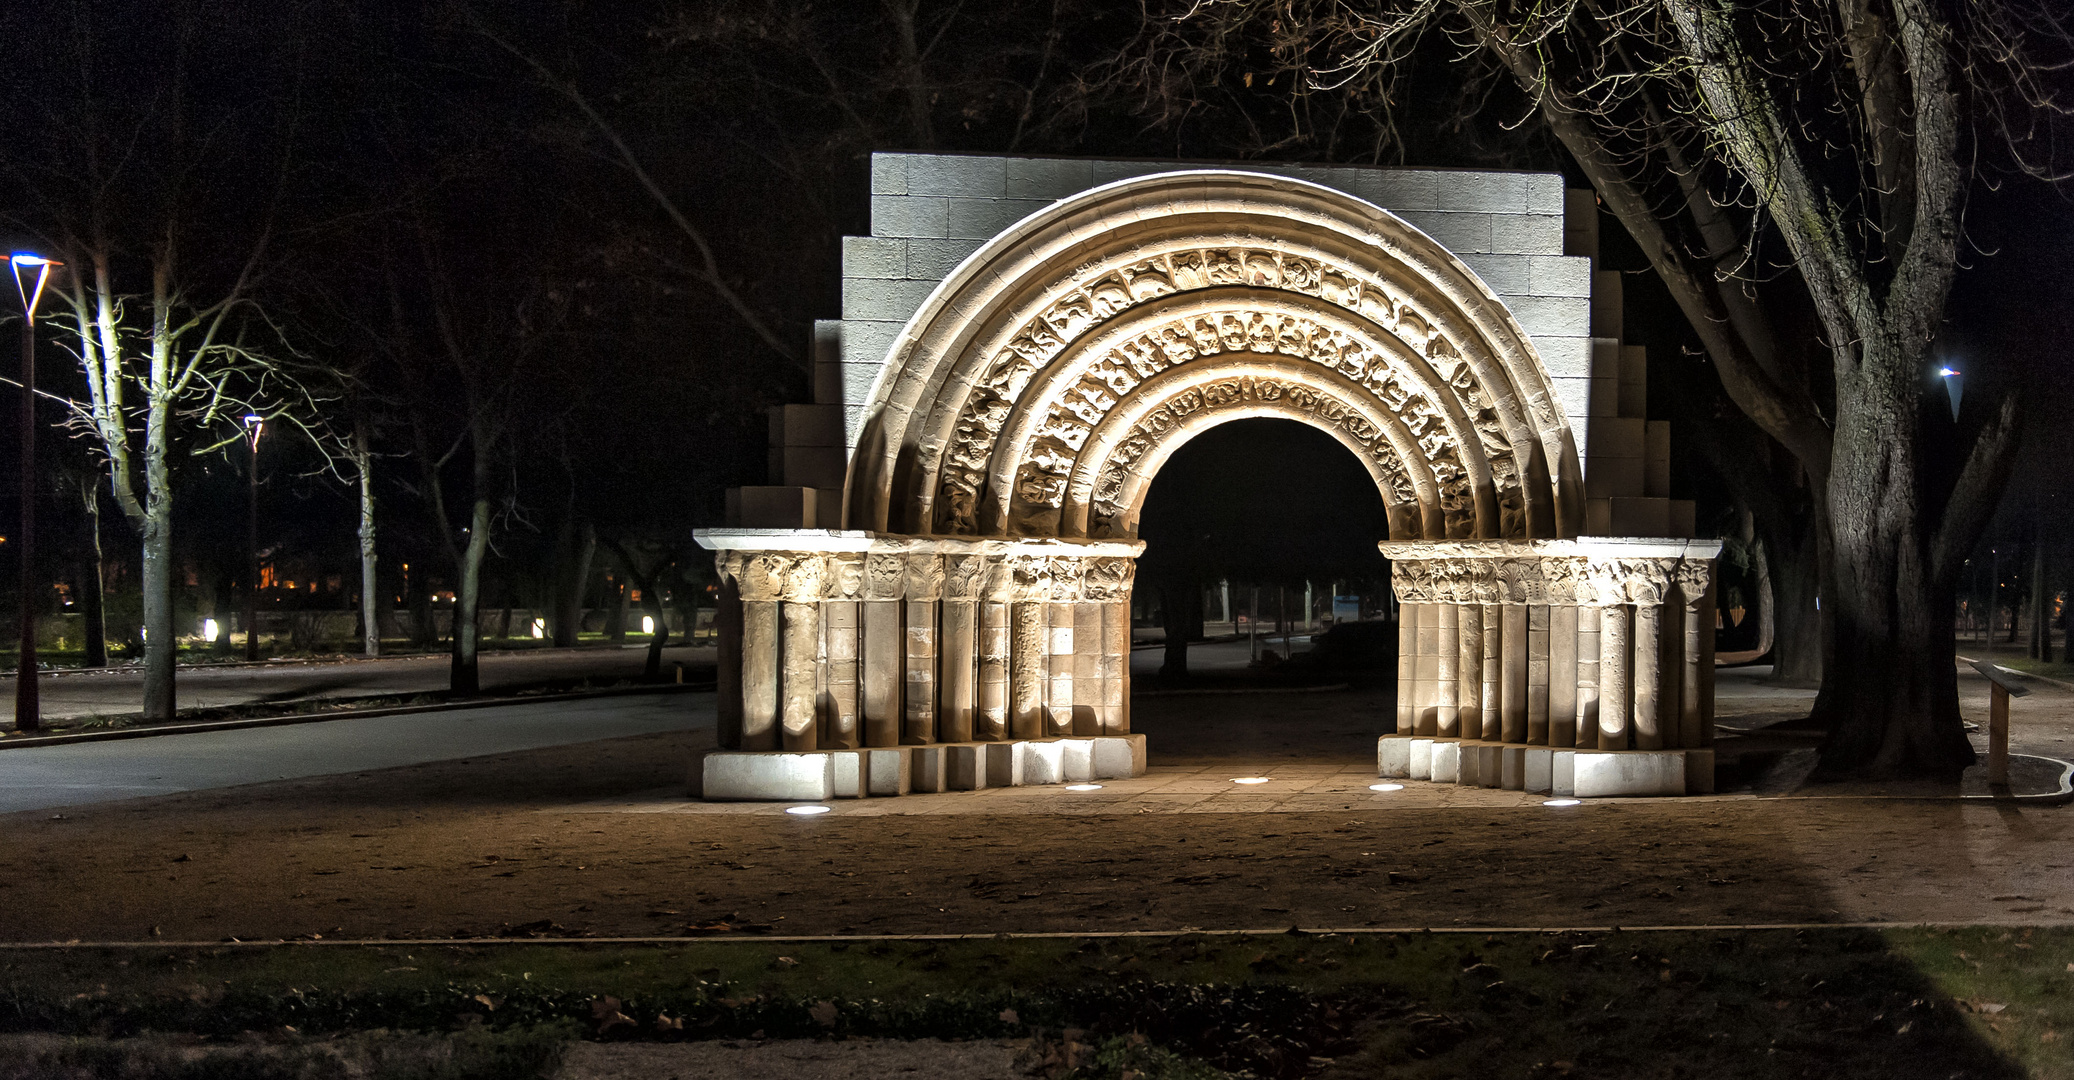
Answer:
(666, 1022)
(1008, 1016)
(605, 1013)
(824, 1013)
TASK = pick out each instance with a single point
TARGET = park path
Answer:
(117, 691)
(79, 774)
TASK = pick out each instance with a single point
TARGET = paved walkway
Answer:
(44, 777)
(119, 691)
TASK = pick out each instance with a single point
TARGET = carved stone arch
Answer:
(994, 388)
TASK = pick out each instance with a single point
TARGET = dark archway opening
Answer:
(1260, 534)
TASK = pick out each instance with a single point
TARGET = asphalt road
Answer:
(46, 777)
(120, 691)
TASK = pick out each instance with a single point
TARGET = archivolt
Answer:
(1038, 389)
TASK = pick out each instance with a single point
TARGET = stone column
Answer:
(1537, 674)
(761, 586)
(1116, 666)
(840, 728)
(1493, 673)
(991, 724)
(1562, 675)
(1088, 688)
(1028, 647)
(800, 664)
(884, 648)
(1469, 670)
(1426, 672)
(1645, 678)
(1616, 649)
(1407, 665)
(1447, 686)
(1058, 690)
(924, 594)
(1587, 719)
(957, 695)
(1512, 692)
(727, 622)
(801, 684)
(1696, 589)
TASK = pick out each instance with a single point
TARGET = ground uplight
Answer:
(1083, 787)
(1249, 779)
(1386, 787)
(1560, 802)
(806, 811)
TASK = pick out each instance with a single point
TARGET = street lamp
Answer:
(1954, 385)
(255, 425)
(28, 705)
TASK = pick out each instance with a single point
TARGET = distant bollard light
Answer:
(208, 629)
(539, 628)
(648, 625)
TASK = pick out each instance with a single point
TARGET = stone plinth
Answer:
(779, 776)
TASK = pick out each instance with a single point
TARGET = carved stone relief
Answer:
(1107, 378)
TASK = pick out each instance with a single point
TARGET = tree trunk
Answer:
(466, 678)
(159, 640)
(616, 621)
(579, 546)
(652, 603)
(370, 567)
(1890, 700)
(93, 587)
(424, 622)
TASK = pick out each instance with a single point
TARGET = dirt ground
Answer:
(479, 846)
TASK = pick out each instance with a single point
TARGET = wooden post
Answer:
(1998, 735)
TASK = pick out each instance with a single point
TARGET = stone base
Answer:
(766, 776)
(1544, 770)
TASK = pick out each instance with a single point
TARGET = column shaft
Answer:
(992, 722)
(883, 668)
(1058, 693)
(1587, 733)
(801, 676)
(1513, 689)
(1537, 674)
(1616, 652)
(1407, 666)
(1028, 662)
(1447, 686)
(918, 726)
(839, 720)
(1469, 670)
(1087, 668)
(957, 689)
(727, 622)
(1493, 673)
(1116, 667)
(760, 674)
(1562, 675)
(1708, 606)
(1646, 677)
(1426, 676)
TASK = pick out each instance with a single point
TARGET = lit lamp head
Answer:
(24, 264)
(254, 425)
(1954, 386)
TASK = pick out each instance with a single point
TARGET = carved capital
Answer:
(763, 575)
(924, 577)
(1694, 577)
(884, 576)
(845, 577)
(1030, 577)
(1066, 572)
(804, 578)
(1107, 579)
(961, 576)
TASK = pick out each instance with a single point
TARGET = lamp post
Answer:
(28, 704)
(255, 424)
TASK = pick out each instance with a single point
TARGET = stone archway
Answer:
(1023, 398)
(969, 625)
